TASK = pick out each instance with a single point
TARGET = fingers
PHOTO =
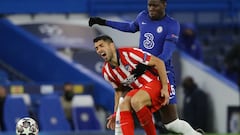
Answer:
(96, 20)
(108, 124)
(109, 117)
(111, 124)
(166, 100)
(165, 96)
(91, 22)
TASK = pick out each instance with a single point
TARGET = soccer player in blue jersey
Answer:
(158, 36)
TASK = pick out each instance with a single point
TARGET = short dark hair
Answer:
(104, 38)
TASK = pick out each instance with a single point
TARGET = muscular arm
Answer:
(118, 94)
(160, 66)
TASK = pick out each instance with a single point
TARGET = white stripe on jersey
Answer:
(140, 50)
(108, 72)
(136, 57)
(128, 60)
(139, 58)
(148, 79)
(118, 75)
(138, 84)
(107, 79)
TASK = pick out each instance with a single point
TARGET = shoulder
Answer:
(125, 49)
(130, 49)
(142, 13)
(105, 65)
(172, 21)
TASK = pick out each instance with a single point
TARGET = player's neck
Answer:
(162, 16)
(114, 61)
(159, 18)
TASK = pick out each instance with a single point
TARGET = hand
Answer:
(111, 121)
(165, 95)
(96, 20)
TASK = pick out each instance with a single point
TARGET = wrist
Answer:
(113, 115)
(164, 86)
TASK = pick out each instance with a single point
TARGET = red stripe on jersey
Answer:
(108, 77)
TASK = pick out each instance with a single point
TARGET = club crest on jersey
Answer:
(159, 29)
(128, 68)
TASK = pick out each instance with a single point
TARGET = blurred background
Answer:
(49, 70)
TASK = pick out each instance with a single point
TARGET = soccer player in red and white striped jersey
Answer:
(140, 71)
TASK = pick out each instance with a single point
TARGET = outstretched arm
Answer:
(122, 26)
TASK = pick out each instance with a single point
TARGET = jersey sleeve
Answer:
(131, 26)
(122, 26)
(140, 56)
(173, 32)
(171, 39)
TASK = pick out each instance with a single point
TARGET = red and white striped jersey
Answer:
(128, 58)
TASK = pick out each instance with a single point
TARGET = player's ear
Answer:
(112, 44)
(164, 2)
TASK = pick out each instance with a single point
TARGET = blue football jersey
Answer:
(153, 33)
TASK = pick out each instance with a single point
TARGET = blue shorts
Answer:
(171, 78)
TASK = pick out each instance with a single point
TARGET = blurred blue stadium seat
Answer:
(84, 114)
(51, 115)
(14, 109)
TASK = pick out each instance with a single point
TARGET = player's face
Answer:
(156, 9)
(104, 50)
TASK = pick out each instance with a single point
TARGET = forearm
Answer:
(122, 26)
(116, 98)
(161, 69)
(162, 73)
